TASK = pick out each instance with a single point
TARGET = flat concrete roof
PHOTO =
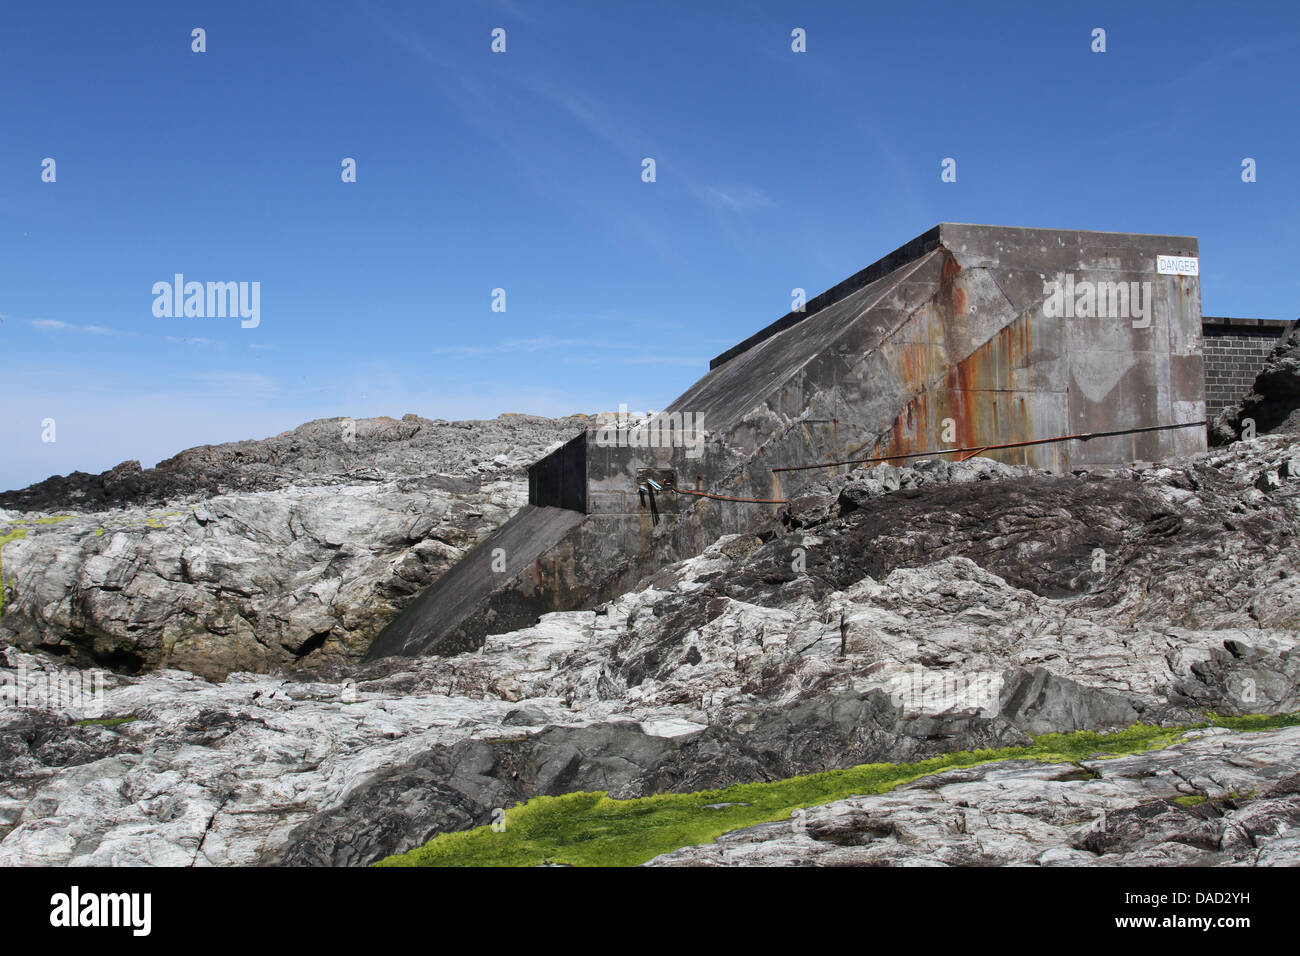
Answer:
(1267, 325)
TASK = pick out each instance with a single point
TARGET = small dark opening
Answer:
(313, 643)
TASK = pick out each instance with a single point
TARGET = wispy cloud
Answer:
(58, 325)
(241, 384)
(55, 325)
(548, 173)
(610, 127)
(577, 351)
(543, 343)
(739, 200)
(516, 10)
(193, 340)
(1218, 62)
(639, 359)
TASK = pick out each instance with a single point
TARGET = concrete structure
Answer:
(966, 337)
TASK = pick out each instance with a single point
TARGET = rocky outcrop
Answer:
(889, 615)
(259, 554)
(452, 788)
(839, 635)
(328, 451)
(1241, 807)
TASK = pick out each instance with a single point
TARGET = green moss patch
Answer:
(5, 538)
(104, 721)
(160, 521)
(1248, 722)
(590, 829)
(52, 520)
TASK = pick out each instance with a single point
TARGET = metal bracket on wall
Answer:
(653, 481)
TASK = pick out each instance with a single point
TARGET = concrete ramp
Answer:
(443, 619)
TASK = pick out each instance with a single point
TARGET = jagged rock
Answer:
(1237, 677)
(1040, 702)
(456, 787)
(525, 717)
(732, 665)
(306, 562)
(1118, 812)
(322, 452)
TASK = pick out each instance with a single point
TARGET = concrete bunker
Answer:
(1056, 349)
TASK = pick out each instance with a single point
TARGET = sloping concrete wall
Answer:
(965, 337)
(480, 595)
(964, 347)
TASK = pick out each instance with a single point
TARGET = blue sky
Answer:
(522, 171)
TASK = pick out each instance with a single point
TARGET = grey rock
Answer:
(1236, 677)
(729, 666)
(1120, 812)
(1040, 702)
(284, 557)
(452, 788)
(525, 717)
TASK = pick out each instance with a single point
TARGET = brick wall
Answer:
(1235, 350)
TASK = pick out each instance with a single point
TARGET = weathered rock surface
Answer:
(967, 607)
(465, 782)
(1106, 812)
(300, 547)
(328, 451)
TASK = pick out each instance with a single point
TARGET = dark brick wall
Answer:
(1235, 350)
